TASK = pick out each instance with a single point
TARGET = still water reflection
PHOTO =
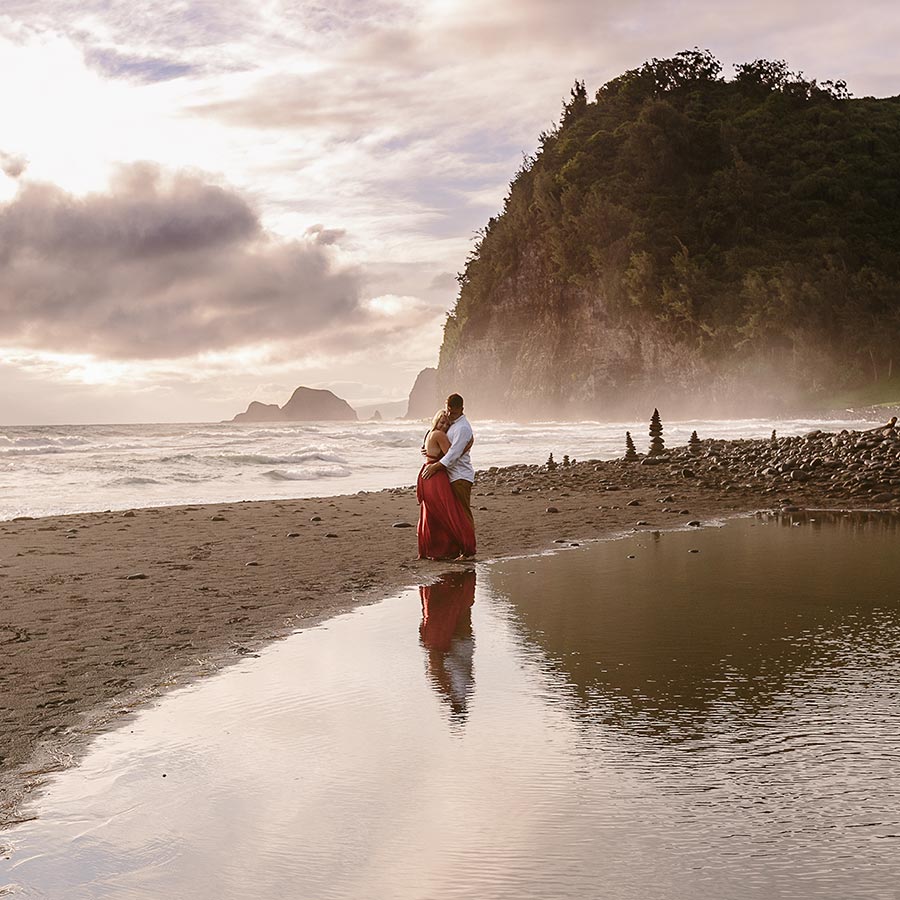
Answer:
(648, 723)
(446, 633)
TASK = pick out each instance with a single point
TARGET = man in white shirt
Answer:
(456, 460)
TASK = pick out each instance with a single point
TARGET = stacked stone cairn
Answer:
(846, 470)
(630, 453)
(551, 463)
(657, 444)
(694, 443)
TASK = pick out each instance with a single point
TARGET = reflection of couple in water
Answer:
(446, 633)
(446, 527)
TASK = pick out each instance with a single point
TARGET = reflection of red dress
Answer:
(444, 530)
(446, 632)
(443, 606)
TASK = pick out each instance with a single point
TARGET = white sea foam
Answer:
(46, 470)
(130, 481)
(306, 474)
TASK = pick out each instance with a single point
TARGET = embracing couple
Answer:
(444, 490)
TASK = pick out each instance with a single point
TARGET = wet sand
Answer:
(102, 610)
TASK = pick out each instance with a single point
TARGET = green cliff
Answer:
(685, 241)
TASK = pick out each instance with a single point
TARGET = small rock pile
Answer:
(855, 464)
(859, 467)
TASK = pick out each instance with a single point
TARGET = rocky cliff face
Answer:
(306, 405)
(545, 349)
(683, 241)
(424, 398)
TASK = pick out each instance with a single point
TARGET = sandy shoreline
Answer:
(82, 642)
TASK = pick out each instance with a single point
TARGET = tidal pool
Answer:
(722, 724)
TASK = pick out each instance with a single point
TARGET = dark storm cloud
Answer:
(161, 266)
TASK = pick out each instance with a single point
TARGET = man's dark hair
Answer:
(454, 401)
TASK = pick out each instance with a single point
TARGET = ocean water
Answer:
(626, 720)
(49, 470)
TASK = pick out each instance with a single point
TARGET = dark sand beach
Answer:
(102, 610)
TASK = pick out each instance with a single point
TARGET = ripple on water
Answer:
(723, 725)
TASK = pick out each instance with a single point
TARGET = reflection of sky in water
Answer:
(678, 725)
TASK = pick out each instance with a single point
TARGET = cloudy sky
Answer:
(204, 202)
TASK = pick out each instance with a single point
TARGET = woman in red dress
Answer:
(444, 530)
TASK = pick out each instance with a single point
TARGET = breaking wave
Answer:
(306, 474)
(134, 480)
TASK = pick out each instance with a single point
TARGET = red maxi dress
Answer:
(444, 529)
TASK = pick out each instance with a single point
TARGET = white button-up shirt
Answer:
(458, 465)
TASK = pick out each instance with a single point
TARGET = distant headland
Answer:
(306, 405)
(685, 240)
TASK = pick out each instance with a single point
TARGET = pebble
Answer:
(128, 515)
(694, 523)
(137, 576)
(551, 509)
(331, 534)
(218, 519)
(315, 519)
(402, 525)
(293, 534)
(251, 563)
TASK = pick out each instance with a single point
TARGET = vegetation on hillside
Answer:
(755, 216)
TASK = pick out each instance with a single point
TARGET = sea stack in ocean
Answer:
(260, 412)
(306, 405)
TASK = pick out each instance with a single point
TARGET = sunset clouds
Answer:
(300, 181)
(160, 266)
